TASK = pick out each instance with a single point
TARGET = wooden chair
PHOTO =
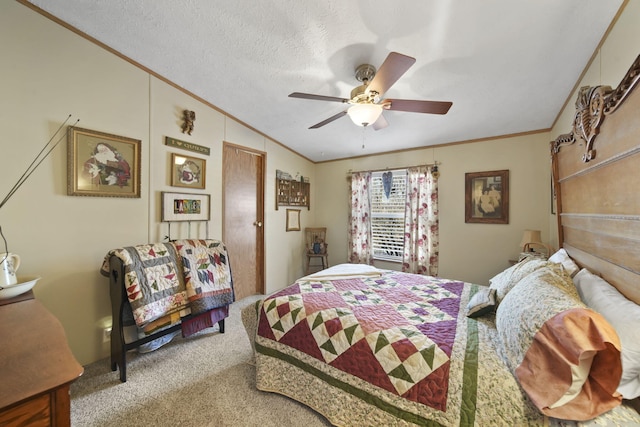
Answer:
(316, 247)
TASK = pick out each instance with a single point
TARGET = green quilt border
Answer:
(367, 397)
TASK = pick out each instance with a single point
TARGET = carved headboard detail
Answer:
(589, 115)
(598, 199)
(592, 105)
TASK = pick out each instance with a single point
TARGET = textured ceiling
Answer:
(507, 66)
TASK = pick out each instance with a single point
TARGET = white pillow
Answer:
(624, 316)
(562, 257)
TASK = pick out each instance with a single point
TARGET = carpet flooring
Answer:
(207, 379)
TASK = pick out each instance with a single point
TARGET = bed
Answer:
(549, 342)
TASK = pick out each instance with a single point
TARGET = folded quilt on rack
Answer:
(154, 283)
(207, 274)
(167, 281)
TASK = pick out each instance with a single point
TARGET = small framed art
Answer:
(185, 207)
(293, 219)
(102, 164)
(188, 171)
(487, 197)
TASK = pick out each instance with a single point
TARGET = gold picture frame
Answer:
(189, 172)
(293, 219)
(487, 197)
(102, 164)
(185, 207)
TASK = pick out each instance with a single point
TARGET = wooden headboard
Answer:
(596, 173)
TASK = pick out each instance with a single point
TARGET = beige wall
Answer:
(48, 73)
(470, 252)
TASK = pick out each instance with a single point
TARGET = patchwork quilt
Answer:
(153, 281)
(392, 349)
(399, 332)
(207, 274)
(167, 281)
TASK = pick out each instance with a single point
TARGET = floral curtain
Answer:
(360, 251)
(421, 241)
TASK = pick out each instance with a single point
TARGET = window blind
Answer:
(387, 215)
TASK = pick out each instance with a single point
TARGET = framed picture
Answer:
(188, 171)
(293, 219)
(101, 164)
(487, 197)
(185, 207)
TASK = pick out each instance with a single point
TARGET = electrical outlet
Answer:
(106, 335)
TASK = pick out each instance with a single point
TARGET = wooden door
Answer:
(243, 217)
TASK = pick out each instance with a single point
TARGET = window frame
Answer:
(394, 217)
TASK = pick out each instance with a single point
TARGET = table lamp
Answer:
(532, 238)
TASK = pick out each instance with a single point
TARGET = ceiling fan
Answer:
(366, 100)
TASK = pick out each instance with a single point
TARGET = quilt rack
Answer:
(168, 236)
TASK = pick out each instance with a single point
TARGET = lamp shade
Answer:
(530, 236)
(364, 114)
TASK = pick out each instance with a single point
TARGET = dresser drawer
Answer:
(34, 413)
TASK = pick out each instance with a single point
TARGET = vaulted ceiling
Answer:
(507, 66)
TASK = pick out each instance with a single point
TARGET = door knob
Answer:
(258, 223)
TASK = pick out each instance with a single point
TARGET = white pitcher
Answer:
(9, 264)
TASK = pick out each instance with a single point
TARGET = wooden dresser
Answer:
(36, 365)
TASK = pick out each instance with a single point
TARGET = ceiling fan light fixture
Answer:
(364, 114)
(366, 102)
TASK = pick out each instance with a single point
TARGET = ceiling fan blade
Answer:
(430, 107)
(390, 71)
(317, 97)
(381, 123)
(329, 120)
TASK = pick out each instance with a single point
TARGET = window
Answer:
(392, 209)
(387, 214)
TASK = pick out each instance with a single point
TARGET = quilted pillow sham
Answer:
(562, 257)
(565, 356)
(621, 313)
(503, 282)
